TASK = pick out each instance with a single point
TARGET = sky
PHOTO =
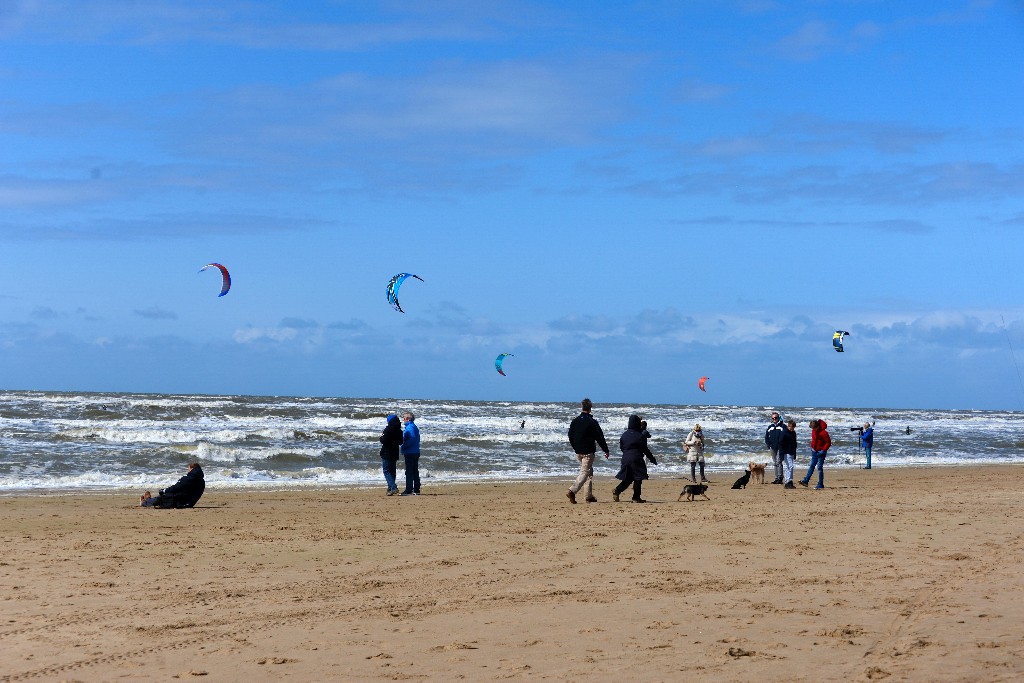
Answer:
(626, 196)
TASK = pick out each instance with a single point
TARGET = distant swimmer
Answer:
(908, 430)
(522, 425)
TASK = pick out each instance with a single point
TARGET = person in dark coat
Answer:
(633, 444)
(773, 440)
(787, 451)
(585, 435)
(391, 441)
(185, 493)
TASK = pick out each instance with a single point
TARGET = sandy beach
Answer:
(910, 574)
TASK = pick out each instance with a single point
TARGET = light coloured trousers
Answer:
(787, 466)
(586, 479)
(778, 461)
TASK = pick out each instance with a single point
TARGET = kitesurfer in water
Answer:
(185, 493)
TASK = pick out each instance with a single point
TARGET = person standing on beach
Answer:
(633, 444)
(410, 449)
(867, 440)
(585, 436)
(391, 443)
(694, 447)
(820, 443)
(773, 439)
(787, 452)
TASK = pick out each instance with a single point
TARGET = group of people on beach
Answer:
(401, 440)
(586, 436)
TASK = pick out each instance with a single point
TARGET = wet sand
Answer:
(910, 574)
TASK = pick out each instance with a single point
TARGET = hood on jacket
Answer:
(392, 416)
(822, 425)
(634, 422)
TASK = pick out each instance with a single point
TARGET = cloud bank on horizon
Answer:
(627, 197)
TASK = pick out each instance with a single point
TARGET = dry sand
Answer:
(896, 574)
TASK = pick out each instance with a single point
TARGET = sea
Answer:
(66, 441)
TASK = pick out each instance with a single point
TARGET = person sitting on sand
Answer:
(185, 493)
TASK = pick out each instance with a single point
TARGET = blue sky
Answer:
(625, 195)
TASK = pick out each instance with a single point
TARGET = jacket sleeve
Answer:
(599, 436)
(183, 484)
(766, 442)
(572, 445)
(176, 487)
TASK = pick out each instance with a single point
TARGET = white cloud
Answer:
(249, 335)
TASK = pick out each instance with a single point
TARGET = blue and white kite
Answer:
(393, 286)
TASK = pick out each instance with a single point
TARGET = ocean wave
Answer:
(49, 439)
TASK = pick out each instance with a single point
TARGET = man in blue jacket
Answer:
(411, 450)
(867, 440)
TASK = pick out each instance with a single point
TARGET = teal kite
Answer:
(497, 363)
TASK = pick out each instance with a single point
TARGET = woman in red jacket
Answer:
(820, 443)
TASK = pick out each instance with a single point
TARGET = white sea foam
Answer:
(67, 441)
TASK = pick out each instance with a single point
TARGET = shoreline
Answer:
(900, 573)
(568, 477)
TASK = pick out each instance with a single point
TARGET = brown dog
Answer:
(757, 472)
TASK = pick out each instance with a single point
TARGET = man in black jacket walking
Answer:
(585, 436)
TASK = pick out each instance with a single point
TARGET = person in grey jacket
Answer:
(773, 440)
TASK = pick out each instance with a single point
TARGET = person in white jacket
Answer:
(694, 446)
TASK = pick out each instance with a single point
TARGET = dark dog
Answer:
(741, 483)
(691, 490)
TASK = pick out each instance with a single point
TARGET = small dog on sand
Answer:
(741, 483)
(691, 490)
(758, 471)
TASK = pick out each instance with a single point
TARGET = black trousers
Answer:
(637, 485)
